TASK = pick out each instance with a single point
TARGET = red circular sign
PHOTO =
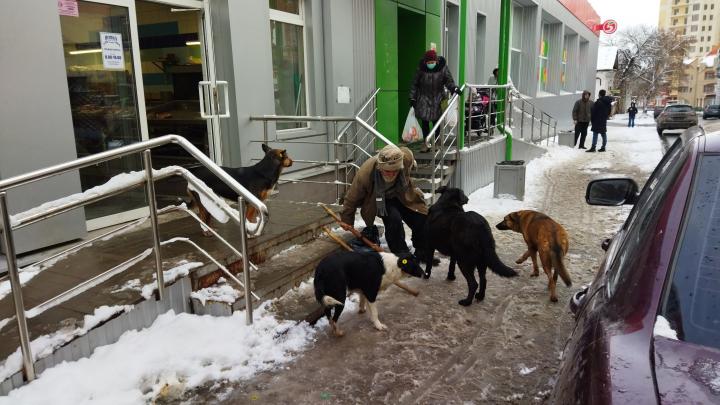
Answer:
(609, 26)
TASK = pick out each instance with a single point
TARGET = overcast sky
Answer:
(628, 12)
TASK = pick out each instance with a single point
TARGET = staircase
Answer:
(426, 173)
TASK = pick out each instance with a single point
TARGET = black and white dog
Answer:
(363, 272)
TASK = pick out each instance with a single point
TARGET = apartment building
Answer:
(700, 20)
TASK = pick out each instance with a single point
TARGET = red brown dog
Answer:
(545, 236)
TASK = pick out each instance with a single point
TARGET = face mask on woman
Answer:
(431, 65)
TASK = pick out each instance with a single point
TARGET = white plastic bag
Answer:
(412, 131)
(452, 117)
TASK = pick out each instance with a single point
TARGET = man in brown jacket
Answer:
(382, 187)
(581, 117)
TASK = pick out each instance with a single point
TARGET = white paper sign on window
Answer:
(112, 50)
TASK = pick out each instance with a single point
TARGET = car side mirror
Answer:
(612, 192)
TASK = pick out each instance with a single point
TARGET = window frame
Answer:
(298, 20)
(541, 58)
(684, 229)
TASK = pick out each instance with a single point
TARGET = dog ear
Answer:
(441, 190)
(265, 148)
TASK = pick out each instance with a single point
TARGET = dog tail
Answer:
(556, 255)
(329, 301)
(497, 266)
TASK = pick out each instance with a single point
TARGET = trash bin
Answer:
(510, 179)
(566, 138)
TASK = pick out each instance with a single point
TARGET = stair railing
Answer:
(347, 148)
(11, 224)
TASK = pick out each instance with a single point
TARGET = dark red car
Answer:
(648, 328)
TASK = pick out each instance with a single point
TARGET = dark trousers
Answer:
(595, 138)
(581, 131)
(394, 231)
(425, 125)
(631, 121)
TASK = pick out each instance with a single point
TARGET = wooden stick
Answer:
(336, 239)
(352, 229)
(347, 247)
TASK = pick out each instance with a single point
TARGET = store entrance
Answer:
(173, 66)
(138, 70)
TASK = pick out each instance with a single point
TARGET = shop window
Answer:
(516, 41)
(480, 41)
(287, 37)
(543, 65)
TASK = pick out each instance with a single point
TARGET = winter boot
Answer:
(591, 149)
(601, 150)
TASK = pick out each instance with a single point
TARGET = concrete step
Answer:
(427, 170)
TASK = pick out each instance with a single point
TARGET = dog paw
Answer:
(426, 275)
(380, 326)
(450, 277)
(479, 296)
(553, 299)
(535, 274)
(339, 333)
(465, 302)
(519, 261)
(361, 310)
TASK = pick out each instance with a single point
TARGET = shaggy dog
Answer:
(545, 236)
(465, 237)
(363, 272)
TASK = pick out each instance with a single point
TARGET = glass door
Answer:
(181, 94)
(103, 87)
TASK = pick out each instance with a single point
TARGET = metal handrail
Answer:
(80, 163)
(145, 147)
(344, 139)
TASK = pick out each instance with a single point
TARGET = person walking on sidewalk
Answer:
(598, 117)
(383, 187)
(426, 92)
(581, 118)
(631, 115)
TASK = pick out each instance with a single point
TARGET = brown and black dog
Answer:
(259, 179)
(545, 236)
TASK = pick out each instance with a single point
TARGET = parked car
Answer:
(676, 116)
(711, 111)
(648, 328)
(657, 110)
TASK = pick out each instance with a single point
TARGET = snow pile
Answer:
(177, 353)
(662, 328)
(46, 344)
(482, 200)
(220, 293)
(525, 370)
(181, 270)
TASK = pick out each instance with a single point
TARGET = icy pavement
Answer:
(503, 350)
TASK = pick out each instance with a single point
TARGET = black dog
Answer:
(465, 237)
(259, 179)
(363, 272)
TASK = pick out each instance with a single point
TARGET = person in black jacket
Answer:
(426, 93)
(598, 117)
(631, 114)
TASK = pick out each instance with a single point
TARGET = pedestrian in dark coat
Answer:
(631, 114)
(599, 116)
(431, 78)
(581, 117)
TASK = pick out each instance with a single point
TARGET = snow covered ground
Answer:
(178, 352)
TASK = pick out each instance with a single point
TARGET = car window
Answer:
(692, 303)
(679, 108)
(645, 212)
